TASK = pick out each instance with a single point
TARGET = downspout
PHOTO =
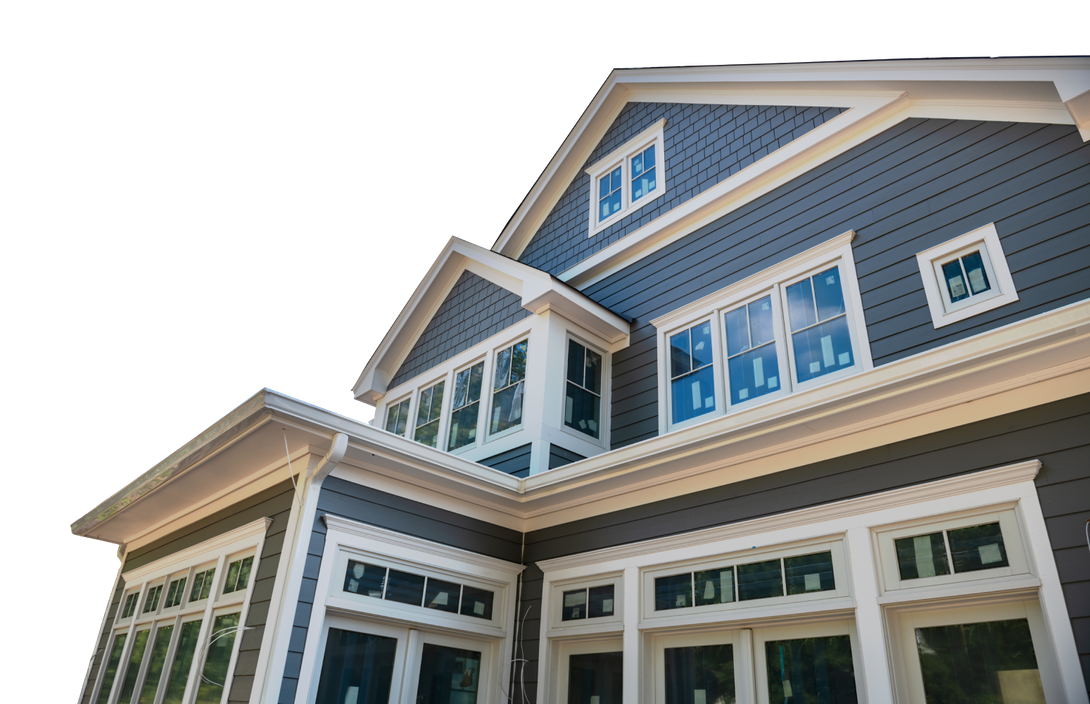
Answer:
(290, 574)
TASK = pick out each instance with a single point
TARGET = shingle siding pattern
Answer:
(918, 184)
(474, 310)
(704, 144)
(1053, 433)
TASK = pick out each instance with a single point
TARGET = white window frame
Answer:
(774, 282)
(601, 624)
(482, 407)
(491, 391)
(444, 414)
(409, 420)
(845, 627)
(986, 241)
(219, 552)
(622, 157)
(736, 637)
(346, 538)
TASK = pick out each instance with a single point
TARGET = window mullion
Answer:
(168, 663)
(783, 339)
(719, 363)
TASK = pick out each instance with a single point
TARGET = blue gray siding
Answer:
(360, 503)
(705, 144)
(274, 503)
(916, 185)
(474, 310)
(516, 461)
(558, 456)
(1054, 433)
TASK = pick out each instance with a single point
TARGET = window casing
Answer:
(181, 643)
(782, 331)
(627, 179)
(585, 605)
(966, 276)
(583, 389)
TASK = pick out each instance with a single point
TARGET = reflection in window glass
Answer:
(442, 596)
(183, 658)
(175, 593)
(965, 277)
(980, 663)
(674, 592)
(365, 579)
(643, 173)
(477, 602)
(595, 602)
(609, 194)
(700, 675)
(714, 586)
(405, 588)
(811, 670)
(202, 585)
(921, 556)
(357, 667)
(132, 670)
(691, 376)
(508, 387)
(760, 580)
(601, 601)
(751, 351)
(397, 417)
(130, 605)
(427, 415)
(583, 398)
(819, 326)
(977, 548)
(155, 664)
(238, 575)
(151, 601)
(809, 573)
(465, 406)
(595, 677)
(217, 659)
(111, 668)
(448, 675)
(575, 605)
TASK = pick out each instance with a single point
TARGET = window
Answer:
(465, 407)
(508, 387)
(784, 330)
(628, 178)
(429, 409)
(583, 391)
(380, 582)
(966, 276)
(590, 672)
(151, 653)
(397, 417)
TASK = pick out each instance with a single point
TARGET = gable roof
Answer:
(877, 93)
(539, 292)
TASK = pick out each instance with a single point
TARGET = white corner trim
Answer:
(986, 240)
(402, 541)
(954, 486)
(777, 272)
(244, 536)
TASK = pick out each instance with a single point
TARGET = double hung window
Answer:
(583, 390)
(628, 178)
(465, 406)
(397, 416)
(429, 409)
(508, 387)
(784, 330)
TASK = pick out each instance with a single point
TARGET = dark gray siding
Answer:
(1054, 433)
(474, 310)
(361, 503)
(272, 503)
(558, 456)
(705, 144)
(916, 185)
(516, 461)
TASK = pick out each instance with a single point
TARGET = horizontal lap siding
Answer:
(274, 503)
(373, 507)
(515, 462)
(558, 456)
(1054, 433)
(704, 144)
(917, 185)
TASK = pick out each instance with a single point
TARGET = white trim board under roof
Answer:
(878, 95)
(539, 291)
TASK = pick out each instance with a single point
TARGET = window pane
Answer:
(828, 294)
(425, 406)
(680, 359)
(715, 586)
(230, 584)
(151, 601)
(477, 602)
(759, 580)
(693, 395)
(130, 604)
(217, 659)
(753, 374)
(955, 280)
(974, 270)
(700, 675)
(463, 426)
(822, 349)
(183, 660)
(507, 408)
(761, 327)
(702, 345)
(518, 361)
(811, 670)
(402, 417)
(111, 668)
(405, 588)
(737, 324)
(442, 595)
(358, 667)
(977, 548)
(175, 593)
(581, 410)
(921, 556)
(362, 578)
(800, 305)
(448, 675)
(155, 664)
(428, 434)
(809, 573)
(461, 389)
(576, 355)
(595, 677)
(637, 165)
(503, 368)
(675, 592)
(980, 663)
(202, 585)
(575, 605)
(601, 601)
(132, 670)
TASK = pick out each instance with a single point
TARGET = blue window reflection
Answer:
(609, 194)
(820, 337)
(643, 173)
(965, 277)
(692, 385)
(752, 363)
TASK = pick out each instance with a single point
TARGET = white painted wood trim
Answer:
(876, 658)
(240, 538)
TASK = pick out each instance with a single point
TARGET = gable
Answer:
(474, 310)
(704, 144)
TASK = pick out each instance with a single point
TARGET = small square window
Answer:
(966, 276)
(628, 178)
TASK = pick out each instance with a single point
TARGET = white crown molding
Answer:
(236, 539)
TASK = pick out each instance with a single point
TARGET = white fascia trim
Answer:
(954, 486)
(539, 292)
(233, 540)
(396, 544)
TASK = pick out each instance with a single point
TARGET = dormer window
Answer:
(465, 406)
(628, 178)
(583, 396)
(397, 417)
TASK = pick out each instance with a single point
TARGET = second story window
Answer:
(692, 378)
(429, 408)
(508, 387)
(966, 276)
(583, 396)
(465, 406)
(819, 326)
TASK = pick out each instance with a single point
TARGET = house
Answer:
(777, 382)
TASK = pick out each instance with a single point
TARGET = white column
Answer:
(868, 618)
(633, 652)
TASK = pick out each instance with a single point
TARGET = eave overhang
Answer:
(540, 292)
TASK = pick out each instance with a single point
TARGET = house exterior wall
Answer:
(704, 144)
(918, 184)
(274, 503)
